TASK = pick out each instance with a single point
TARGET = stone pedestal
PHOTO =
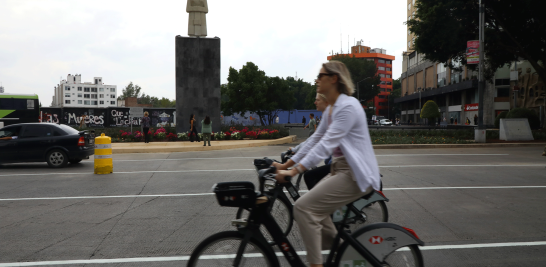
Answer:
(197, 81)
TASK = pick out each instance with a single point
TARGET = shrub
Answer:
(501, 115)
(534, 120)
(183, 136)
(430, 111)
(171, 137)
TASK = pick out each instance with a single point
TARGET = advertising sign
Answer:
(473, 52)
(471, 107)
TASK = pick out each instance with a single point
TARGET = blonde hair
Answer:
(345, 84)
(323, 96)
(146, 113)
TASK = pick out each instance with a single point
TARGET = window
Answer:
(381, 68)
(383, 82)
(101, 102)
(79, 102)
(112, 96)
(389, 83)
(67, 88)
(388, 62)
(382, 103)
(389, 69)
(409, 32)
(87, 96)
(382, 75)
(31, 131)
(94, 96)
(86, 89)
(67, 95)
(79, 95)
(67, 101)
(86, 102)
(112, 102)
(388, 76)
(409, 44)
(381, 61)
(94, 102)
(409, 6)
(101, 89)
(441, 74)
(504, 92)
(409, 18)
(79, 89)
(101, 96)
(413, 15)
(382, 89)
(93, 89)
(413, 2)
(112, 89)
(381, 96)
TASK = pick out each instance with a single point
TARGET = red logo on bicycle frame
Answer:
(376, 240)
(285, 247)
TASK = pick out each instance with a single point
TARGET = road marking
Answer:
(394, 166)
(386, 155)
(250, 255)
(302, 191)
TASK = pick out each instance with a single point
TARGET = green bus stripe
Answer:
(5, 112)
(19, 96)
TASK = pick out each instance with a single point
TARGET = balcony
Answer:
(428, 92)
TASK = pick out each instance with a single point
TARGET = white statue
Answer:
(197, 25)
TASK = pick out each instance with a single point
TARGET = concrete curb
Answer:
(162, 147)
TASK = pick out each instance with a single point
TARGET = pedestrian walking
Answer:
(193, 128)
(312, 124)
(475, 119)
(277, 119)
(206, 130)
(467, 121)
(146, 127)
(303, 120)
(82, 122)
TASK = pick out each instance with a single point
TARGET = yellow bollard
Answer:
(103, 155)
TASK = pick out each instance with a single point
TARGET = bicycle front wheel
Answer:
(221, 249)
(281, 212)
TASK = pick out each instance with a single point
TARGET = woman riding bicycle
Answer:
(354, 173)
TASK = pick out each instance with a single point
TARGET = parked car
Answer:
(385, 122)
(45, 142)
(376, 119)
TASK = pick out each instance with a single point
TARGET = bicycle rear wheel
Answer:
(281, 211)
(220, 250)
(374, 213)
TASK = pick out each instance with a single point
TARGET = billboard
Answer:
(473, 52)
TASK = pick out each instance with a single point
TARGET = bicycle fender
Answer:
(376, 196)
(381, 239)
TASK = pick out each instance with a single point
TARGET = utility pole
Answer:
(479, 134)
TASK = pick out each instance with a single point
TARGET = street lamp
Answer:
(358, 89)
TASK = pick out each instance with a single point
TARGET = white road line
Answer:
(386, 155)
(394, 166)
(228, 256)
(301, 191)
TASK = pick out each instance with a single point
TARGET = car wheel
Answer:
(75, 161)
(56, 158)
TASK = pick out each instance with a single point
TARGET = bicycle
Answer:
(368, 209)
(380, 244)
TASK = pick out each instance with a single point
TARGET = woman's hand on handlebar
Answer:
(279, 166)
(281, 174)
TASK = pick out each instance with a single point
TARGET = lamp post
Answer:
(358, 89)
(479, 134)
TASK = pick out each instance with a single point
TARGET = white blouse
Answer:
(349, 131)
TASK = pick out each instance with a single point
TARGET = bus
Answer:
(18, 108)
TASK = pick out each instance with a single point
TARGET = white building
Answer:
(73, 93)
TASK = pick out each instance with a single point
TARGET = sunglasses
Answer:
(320, 75)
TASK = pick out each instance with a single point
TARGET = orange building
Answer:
(384, 70)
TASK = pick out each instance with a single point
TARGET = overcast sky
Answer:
(42, 41)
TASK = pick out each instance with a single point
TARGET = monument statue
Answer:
(197, 25)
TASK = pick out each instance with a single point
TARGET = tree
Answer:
(249, 89)
(512, 28)
(396, 93)
(311, 95)
(130, 91)
(360, 69)
(430, 111)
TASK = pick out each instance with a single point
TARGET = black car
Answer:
(38, 142)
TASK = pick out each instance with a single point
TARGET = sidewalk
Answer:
(186, 146)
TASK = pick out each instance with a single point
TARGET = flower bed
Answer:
(169, 134)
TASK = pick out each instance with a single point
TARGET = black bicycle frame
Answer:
(260, 215)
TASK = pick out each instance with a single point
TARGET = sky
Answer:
(42, 41)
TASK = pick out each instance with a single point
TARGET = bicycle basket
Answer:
(262, 163)
(235, 194)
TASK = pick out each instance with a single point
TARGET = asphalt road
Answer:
(472, 207)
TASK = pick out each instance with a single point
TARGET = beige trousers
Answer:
(312, 211)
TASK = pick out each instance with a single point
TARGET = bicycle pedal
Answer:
(239, 222)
